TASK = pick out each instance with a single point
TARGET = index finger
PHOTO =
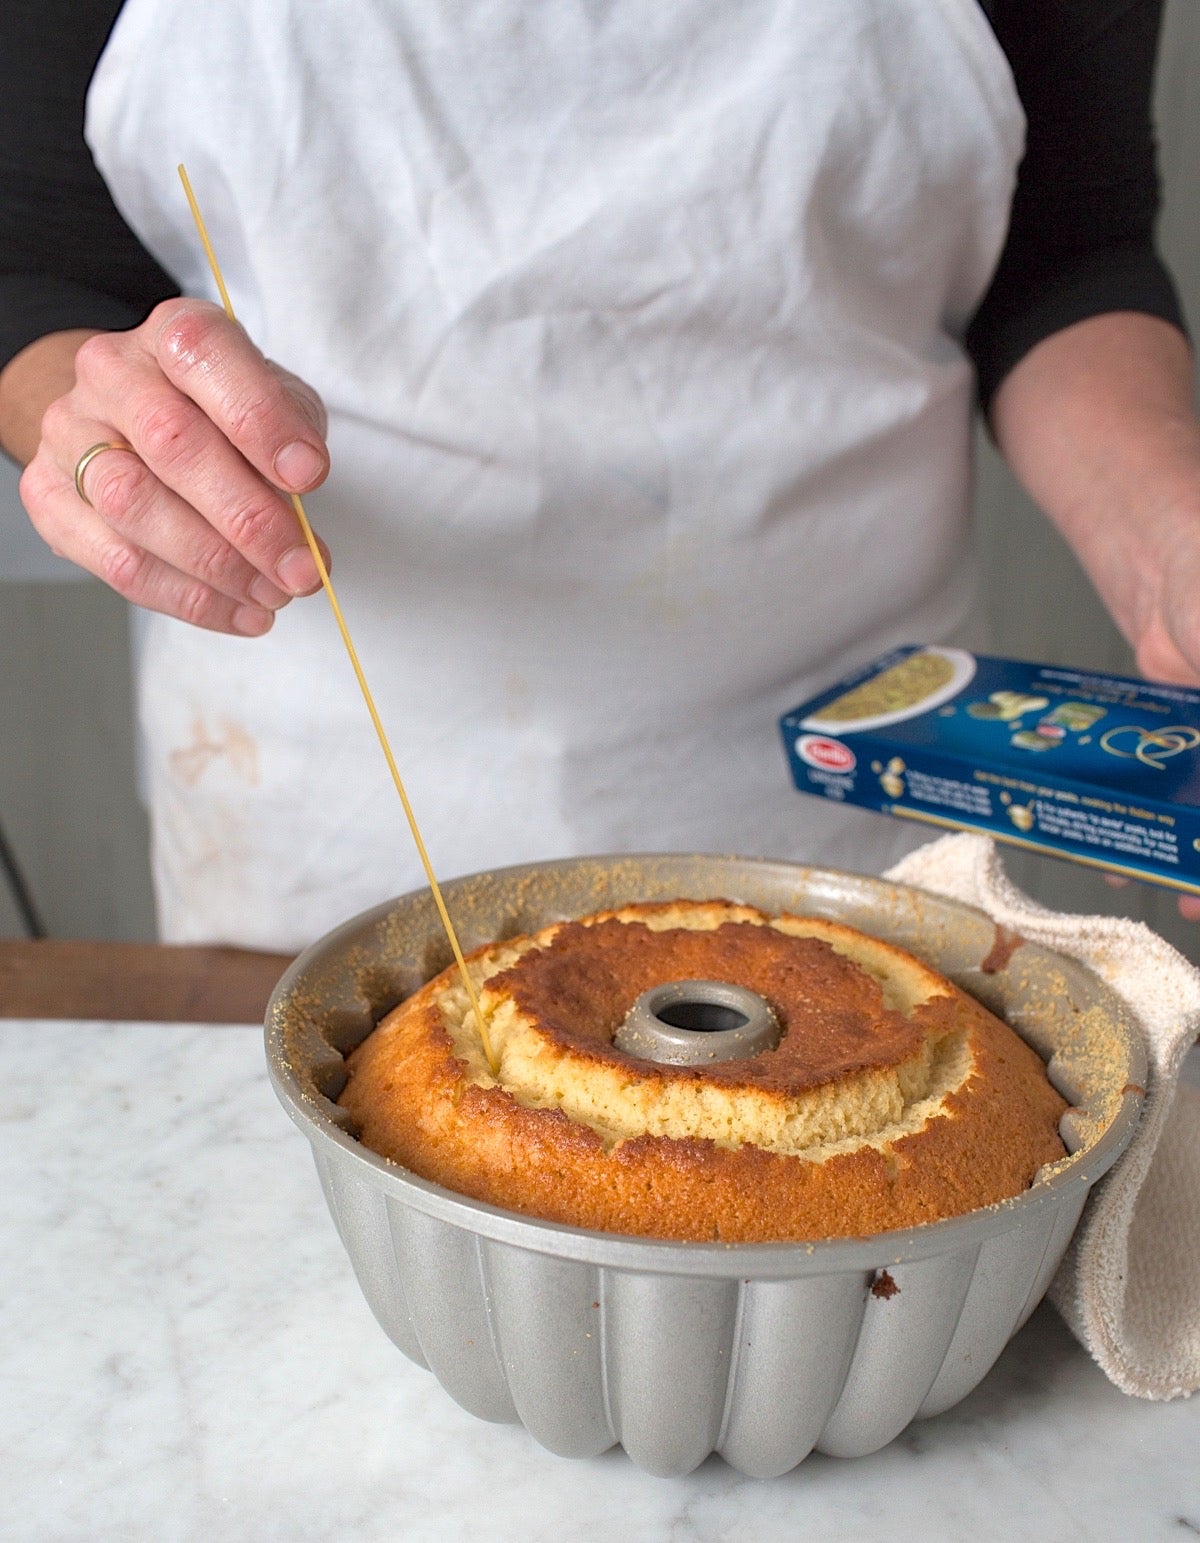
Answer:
(213, 361)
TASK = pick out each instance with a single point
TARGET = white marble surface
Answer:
(185, 1355)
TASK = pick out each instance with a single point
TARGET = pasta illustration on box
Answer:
(1104, 769)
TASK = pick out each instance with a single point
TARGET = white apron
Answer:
(639, 329)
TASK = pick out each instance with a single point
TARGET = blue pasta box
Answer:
(1103, 769)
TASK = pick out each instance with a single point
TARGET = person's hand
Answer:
(189, 520)
(1097, 420)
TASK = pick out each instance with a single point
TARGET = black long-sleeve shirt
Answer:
(1081, 239)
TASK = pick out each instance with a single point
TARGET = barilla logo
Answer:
(828, 754)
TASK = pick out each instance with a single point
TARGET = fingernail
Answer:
(251, 622)
(266, 594)
(297, 572)
(298, 465)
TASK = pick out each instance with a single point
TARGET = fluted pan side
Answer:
(667, 1343)
(792, 1349)
(910, 1314)
(360, 1213)
(676, 1366)
(1066, 1219)
(440, 1270)
(1004, 1273)
(1011, 1276)
(548, 1315)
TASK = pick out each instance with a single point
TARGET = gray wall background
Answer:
(68, 797)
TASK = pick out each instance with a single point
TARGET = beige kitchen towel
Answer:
(1129, 1286)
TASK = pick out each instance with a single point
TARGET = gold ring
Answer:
(86, 459)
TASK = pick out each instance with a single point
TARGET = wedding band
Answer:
(86, 459)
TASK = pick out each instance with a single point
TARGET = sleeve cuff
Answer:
(1017, 314)
(32, 305)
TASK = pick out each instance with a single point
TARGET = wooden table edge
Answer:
(169, 983)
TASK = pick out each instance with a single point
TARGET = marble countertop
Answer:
(186, 1355)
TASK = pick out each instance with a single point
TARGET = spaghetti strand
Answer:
(377, 723)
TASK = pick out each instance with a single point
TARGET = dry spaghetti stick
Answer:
(327, 584)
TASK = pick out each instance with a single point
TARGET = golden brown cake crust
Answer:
(912, 1102)
(581, 985)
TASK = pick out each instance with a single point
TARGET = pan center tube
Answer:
(697, 1022)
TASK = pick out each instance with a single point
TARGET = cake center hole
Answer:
(697, 1022)
(702, 1017)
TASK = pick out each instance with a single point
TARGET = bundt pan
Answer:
(674, 1350)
